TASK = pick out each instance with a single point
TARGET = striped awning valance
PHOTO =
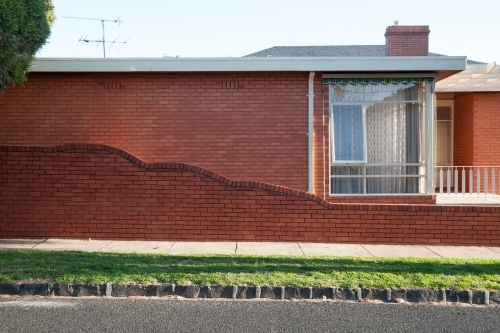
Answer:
(377, 80)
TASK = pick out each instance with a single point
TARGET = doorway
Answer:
(444, 141)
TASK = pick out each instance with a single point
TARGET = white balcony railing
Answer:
(468, 182)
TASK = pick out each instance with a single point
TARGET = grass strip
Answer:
(84, 267)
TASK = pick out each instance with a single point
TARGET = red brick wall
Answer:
(476, 133)
(82, 191)
(321, 138)
(486, 122)
(249, 126)
(463, 129)
(407, 41)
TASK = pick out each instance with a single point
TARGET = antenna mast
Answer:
(103, 40)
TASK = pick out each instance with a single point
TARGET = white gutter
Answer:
(310, 132)
(324, 64)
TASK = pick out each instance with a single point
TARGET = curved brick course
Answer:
(73, 147)
(100, 191)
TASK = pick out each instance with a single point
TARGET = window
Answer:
(349, 133)
(377, 142)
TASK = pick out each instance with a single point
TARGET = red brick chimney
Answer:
(401, 40)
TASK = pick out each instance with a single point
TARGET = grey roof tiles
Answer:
(329, 51)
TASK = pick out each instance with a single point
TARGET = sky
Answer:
(234, 28)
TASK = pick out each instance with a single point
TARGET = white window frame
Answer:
(364, 163)
(332, 135)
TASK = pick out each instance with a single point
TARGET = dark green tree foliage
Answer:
(24, 29)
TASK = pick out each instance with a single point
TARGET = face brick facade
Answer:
(254, 130)
(200, 158)
(212, 156)
(250, 126)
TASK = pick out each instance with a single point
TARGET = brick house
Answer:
(335, 147)
(466, 106)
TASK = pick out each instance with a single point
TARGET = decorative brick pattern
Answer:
(99, 191)
(112, 85)
(230, 85)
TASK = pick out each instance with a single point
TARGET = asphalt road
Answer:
(167, 315)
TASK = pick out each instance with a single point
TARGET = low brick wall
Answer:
(98, 191)
(385, 199)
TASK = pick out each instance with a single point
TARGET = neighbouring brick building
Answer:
(336, 147)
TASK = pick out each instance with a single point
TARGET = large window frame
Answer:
(361, 176)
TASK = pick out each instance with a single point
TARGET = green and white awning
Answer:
(377, 80)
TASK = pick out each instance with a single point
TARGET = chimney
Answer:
(407, 40)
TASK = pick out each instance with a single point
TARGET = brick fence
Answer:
(98, 191)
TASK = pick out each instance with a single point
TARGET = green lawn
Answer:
(70, 267)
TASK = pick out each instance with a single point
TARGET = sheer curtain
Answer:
(348, 146)
(393, 137)
(413, 150)
(348, 132)
(386, 144)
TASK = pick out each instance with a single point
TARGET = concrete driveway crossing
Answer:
(252, 248)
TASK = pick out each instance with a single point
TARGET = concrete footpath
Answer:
(252, 248)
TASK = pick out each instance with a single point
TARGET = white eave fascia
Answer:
(253, 64)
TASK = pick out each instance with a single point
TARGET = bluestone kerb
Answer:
(194, 291)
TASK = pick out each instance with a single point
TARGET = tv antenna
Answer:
(103, 40)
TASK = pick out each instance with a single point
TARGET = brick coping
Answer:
(244, 184)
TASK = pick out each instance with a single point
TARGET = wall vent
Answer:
(112, 85)
(230, 85)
